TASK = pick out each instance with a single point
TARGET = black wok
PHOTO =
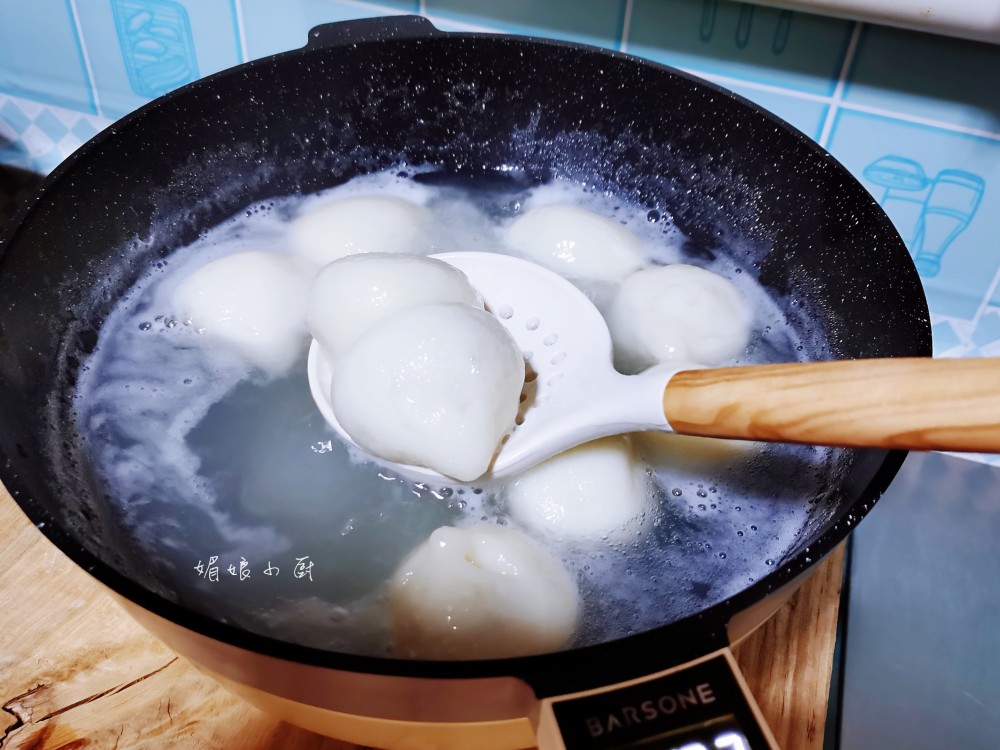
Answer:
(362, 96)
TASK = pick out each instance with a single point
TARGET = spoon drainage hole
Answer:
(532, 324)
(559, 358)
(505, 311)
(551, 339)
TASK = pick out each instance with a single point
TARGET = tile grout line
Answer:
(849, 106)
(916, 119)
(838, 91)
(241, 32)
(86, 59)
(375, 6)
(756, 86)
(987, 296)
(626, 26)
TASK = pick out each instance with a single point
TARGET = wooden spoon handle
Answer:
(916, 404)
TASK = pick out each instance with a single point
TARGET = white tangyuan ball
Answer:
(678, 312)
(588, 492)
(576, 243)
(353, 293)
(481, 592)
(252, 302)
(359, 224)
(436, 385)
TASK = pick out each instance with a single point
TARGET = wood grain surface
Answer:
(910, 403)
(76, 672)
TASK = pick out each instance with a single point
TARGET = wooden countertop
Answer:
(76, 671)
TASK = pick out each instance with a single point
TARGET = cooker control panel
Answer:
(704, 705)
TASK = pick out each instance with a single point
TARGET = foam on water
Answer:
(204, 456)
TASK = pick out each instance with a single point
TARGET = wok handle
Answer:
(906, 403)
(371, 30)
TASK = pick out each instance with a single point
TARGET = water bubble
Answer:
(676, 492)
(145, 326)
(532, 324)
(653, 216)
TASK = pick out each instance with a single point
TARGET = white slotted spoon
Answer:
(577, 395)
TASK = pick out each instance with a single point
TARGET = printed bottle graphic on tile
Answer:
(156, 44)
(744, 25)
(929, 213)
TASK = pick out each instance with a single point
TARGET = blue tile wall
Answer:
(796, 51)
(933, 185)
(915, 117)
(942, 80)
(41, 56)
(600, 22)
(141, 49)
(271, 27)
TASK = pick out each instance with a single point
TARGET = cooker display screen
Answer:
(721, 734)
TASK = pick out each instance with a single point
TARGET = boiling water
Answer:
(254, 512)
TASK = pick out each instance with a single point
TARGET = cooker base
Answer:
(512, 734)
